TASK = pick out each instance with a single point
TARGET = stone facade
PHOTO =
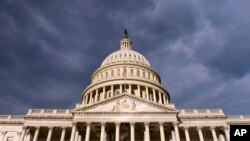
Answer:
(125, 101)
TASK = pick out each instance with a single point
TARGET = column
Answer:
(173, 135)
(164, 98)
(2, 135)
(102, 131)
(139, 90)
(200, 133)
(147, 95)
(27, 135)
(147, 131)
(226, 131)
(63, 133)
(160, 99)
(186, 133)
(132, 131)
(96, 95)
(87, 99)
(79, 138)
(88, 131)
(91, 98)
(213, 133)
(154, 95)
(162, 131)
(129, 89)
(19, 135)
(49, 134)
(36, 133)
(112, 90)
(120, 88)
(103, 93)
(176, 130)
(117, 131)
(23, 134)
(221, 137)
(73, 132)
(76, 135)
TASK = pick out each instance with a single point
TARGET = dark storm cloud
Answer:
(49, 49)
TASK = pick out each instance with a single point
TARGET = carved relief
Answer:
(124, 106)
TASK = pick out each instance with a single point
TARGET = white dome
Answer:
(125, 56)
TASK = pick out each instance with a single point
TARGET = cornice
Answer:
(48, 117)
(11, 122)
(124, 113)
(202, 117)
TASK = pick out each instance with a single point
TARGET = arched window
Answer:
(131, 72)
(118, 72)
(112, 73)
(138, 73)
(106, 74)
(144, 74)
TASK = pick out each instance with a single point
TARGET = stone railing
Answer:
(201, 111)
(49, 112)
(238, 119)
(11, 118)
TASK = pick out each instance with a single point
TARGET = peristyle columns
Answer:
(147, 136)
(49, 134)
(117, 131)
(186, 134)
(73, 132)
(132, 131)
(162, 131)
(36, 133)
(213, 133)
(88, 131)
(176, 130)
(200, 133)
(63, 133)
(102, 131)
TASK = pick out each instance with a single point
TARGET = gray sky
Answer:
(50, 48)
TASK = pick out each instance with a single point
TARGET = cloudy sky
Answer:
(50, 48)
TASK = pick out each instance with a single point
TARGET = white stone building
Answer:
(125, 101)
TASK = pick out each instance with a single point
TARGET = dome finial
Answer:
(125, 33)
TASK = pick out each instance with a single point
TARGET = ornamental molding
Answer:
(125, 113)
(124, 95)
(202, 117)
(11, 122)
(48, 117)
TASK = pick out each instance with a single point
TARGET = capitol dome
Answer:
(125, 72)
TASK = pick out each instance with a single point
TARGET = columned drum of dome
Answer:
(125, 72)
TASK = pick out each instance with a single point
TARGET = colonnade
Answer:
(76, 136)
(200, 133)
(148, 93)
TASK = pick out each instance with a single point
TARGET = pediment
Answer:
(126, 103)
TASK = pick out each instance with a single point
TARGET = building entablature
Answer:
(11, 120)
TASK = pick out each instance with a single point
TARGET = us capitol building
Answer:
(124, 101)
